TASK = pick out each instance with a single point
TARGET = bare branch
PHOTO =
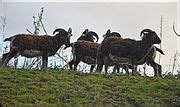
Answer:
(29, 31)
(175, 30)
(61, 57)
(43, 27)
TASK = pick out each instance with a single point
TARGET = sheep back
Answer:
(86, 48)
(127, 48)
(30, 42)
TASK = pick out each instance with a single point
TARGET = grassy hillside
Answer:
(69, 87)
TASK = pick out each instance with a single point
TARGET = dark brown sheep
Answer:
(84, 50)
(30, 46)
(150, 56)
(115, 50)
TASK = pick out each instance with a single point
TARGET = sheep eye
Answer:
(69, 35)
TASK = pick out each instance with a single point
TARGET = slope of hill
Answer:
(19, 86)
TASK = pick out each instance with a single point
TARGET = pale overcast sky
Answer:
(126, 18)
(90, 0)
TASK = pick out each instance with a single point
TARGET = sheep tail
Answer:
(99, 57)
(8, 39)
(159, 50)
(102, 52)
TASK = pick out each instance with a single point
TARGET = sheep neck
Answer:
(57, 44)
(59, 41)
(145, 46)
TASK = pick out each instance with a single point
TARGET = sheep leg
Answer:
(133, 69)
(106, 69)
(76, 64)
(45, 61)
(156, 67)
(116, 68)
(92, 67)
(8, 56)
(155, 70)
(159, 70)
(125, 67)
(99, 67)
(71, 64)
(4, 56)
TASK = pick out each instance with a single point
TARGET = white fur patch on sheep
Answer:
(31, 53)
(119, 60)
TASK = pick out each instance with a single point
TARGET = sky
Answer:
(90, 0)
(127, 18)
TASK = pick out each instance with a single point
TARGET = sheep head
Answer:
(149, 35)
(88, 36)
(63, 36)
(110, 34)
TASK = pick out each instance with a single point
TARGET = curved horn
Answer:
(57, 30)
(116, 34)
(145, 30)
(175, 30)
(94, 34)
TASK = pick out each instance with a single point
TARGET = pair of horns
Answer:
(116, 34)
(60, 29)
(145, 31)
(87, 32)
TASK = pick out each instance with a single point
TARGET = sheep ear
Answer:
(70, 30)
(108, 31)
(86, 31)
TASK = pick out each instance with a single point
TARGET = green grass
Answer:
(20, 86)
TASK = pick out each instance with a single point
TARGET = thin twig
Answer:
(61, 57)
(43, 27)
(29, 31)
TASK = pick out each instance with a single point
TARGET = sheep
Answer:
(29, 45)
(84, 50)
(152, 54)
(115, 50)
